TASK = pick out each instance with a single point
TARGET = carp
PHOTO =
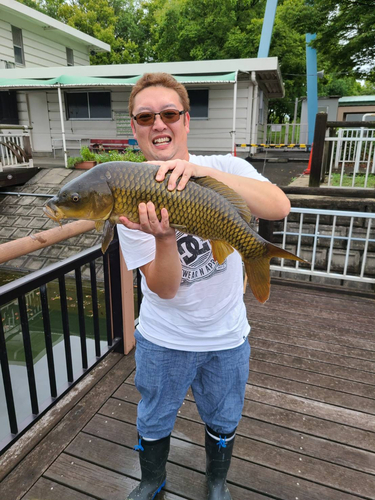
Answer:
(205, 207)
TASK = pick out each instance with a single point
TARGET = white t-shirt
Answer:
(208, 312)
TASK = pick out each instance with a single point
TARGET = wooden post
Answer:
(317, 152)
(127, 289)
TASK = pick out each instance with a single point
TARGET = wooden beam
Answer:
(127, 289)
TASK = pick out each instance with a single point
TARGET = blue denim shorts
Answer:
(163, 377)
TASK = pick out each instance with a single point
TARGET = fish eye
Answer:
(75, 197)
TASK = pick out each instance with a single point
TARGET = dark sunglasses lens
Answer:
(170, 116)
(145, 118)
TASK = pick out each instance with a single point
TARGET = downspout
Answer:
(234, 115)
(62, 126)
(254, 111)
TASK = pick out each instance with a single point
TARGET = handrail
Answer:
(22, 246)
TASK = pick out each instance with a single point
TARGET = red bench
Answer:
(102, 145)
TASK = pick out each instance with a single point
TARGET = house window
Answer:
(69, 57)
(88, 105)
(357, 117)
(8, 108)
(198, 103)
(19, 56)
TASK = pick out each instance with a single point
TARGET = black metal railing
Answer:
(16, 292)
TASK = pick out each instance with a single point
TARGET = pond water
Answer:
(15, 350)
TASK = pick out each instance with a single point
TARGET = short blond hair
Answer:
(159, 80)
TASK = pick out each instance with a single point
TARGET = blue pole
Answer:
(312, 87)
(268, 21)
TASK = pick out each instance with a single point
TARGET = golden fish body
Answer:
(206, 208)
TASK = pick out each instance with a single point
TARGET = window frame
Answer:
(19, 32)
(69, 53)
(206, 89)
(88, 118)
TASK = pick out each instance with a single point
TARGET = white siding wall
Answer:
(212, 134)
(42, 48)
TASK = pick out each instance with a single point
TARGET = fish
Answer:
(205, 208)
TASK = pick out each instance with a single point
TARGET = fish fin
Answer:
(275, 251)
(258, 271)
(220, 250)
(108, 233)
(226, 192)
(183, 229)
(258, 276)
(99, 224)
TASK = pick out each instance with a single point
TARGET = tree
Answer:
(345, 33)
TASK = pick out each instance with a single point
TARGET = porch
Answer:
(307, 430)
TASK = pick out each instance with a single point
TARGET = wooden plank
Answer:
(355, 369)
(305, 406)
(279, 334)
(315, 379)
(319, 334)
(31, 438)
(306, 364)
(279, 433)
(20, 480)
(340, 399)
(44, 489)
(192, 456)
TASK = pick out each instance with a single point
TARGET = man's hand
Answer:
(180, 168)
(149, 222)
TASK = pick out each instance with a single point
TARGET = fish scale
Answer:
(205, 208)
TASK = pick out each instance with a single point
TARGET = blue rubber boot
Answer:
(218, 457)
(153, 459)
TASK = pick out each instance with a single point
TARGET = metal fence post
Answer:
(317, 152)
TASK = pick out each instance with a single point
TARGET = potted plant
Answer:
(85, 161)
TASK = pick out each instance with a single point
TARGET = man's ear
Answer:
(187, 121)
(133, 128)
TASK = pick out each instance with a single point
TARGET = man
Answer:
(193, 327)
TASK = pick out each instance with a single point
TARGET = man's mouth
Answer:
(161, 140)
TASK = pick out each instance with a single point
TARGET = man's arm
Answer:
(264, 199)
(163, 274)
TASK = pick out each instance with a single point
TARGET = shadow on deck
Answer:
(307, 432)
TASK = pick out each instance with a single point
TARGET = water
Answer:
(15, 350)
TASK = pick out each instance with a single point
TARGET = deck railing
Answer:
(338, 244)
(15, 146)
(93, 265)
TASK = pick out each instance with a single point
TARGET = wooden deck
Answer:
(308, 426)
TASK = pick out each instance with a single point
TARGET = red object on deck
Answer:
(307, 171)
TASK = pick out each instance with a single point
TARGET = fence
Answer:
(284, 134)
(352, 153)
(15, 147)
(342, 149)
(16, 297)
(339, 245)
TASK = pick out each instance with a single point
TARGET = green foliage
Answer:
(347, 180)
(73, 160)
(87, 155)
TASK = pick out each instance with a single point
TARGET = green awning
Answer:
(90, 81)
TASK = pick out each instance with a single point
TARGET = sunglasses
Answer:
(148, 118)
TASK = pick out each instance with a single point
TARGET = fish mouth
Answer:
(53, 213)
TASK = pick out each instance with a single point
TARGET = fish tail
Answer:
(258, 270)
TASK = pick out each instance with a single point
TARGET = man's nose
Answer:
(158, 123)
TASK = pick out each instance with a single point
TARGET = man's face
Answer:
(161, 141)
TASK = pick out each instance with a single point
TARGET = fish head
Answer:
(87, 198)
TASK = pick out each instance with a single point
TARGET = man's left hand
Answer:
(180, 168)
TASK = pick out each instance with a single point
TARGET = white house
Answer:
(229, 98)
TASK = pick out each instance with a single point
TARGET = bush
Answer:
(87, 155)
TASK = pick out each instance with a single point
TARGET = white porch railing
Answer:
(353, 153)
(15, 150)
(338, 244)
